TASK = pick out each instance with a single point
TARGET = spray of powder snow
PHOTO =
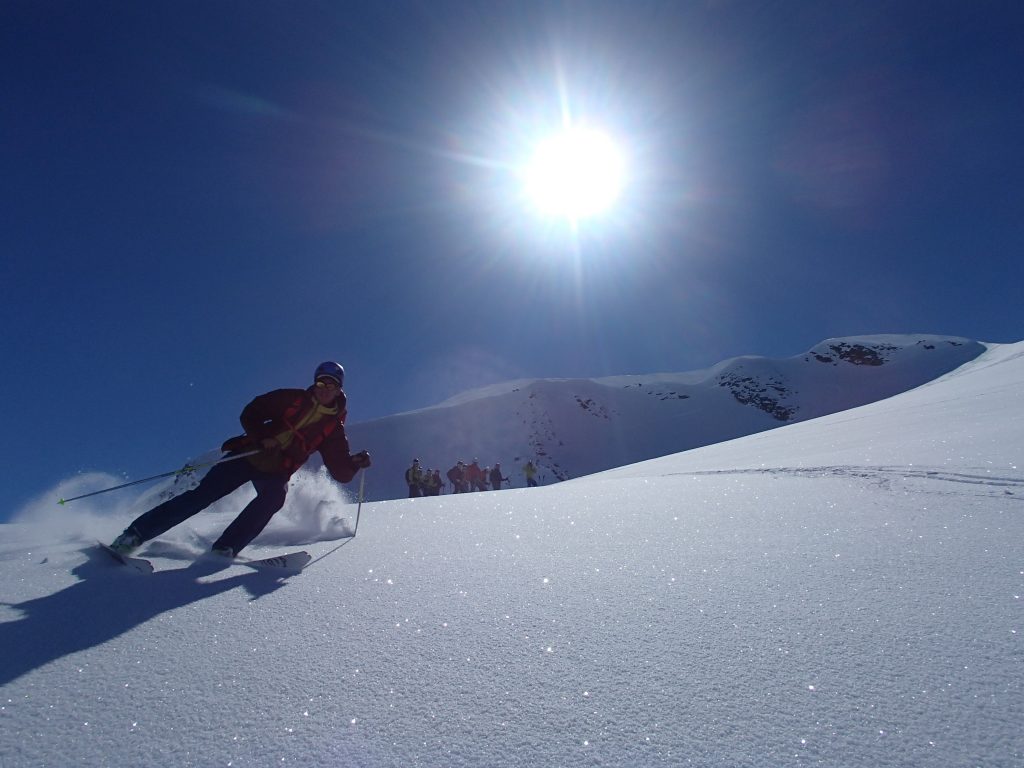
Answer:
(98, 517)
(317, 509)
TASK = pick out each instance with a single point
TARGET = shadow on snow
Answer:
(108, 601)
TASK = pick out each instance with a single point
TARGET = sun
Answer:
(576, 174)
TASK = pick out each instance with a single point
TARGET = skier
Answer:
(432, 482)
(475, 478)
(457, 476)
(285, 426)
(496, 478)
(531, 474)
(413, 478)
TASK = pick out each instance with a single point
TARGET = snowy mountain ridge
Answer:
(575, 427)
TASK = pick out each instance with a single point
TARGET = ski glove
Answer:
(361, 459)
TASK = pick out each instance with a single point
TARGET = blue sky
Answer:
(203, 200)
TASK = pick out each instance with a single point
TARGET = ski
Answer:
(292, 561)
(136, 563)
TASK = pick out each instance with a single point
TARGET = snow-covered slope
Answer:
(571, 428)
(841, 592)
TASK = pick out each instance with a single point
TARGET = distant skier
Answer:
(414, 478)
(475, 477)
(285, 426)
(457, 477)
(496, 478)
(432, 482)
(531, 474)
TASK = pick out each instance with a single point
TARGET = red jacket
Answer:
(278, 412)
(474, 474)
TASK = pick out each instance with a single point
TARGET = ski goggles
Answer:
(327, 383)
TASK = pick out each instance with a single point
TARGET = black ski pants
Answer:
(221, 480)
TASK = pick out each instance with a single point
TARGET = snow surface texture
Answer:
(843, 592)
(575, 427)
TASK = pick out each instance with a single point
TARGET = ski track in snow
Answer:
(886, 477)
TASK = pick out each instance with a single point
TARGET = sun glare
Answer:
(576, 174)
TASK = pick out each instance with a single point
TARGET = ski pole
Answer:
(362, 482)
(186, 470)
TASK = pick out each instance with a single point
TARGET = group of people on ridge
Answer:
(464, 478)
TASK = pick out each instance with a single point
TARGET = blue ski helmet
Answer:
(331, 371)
